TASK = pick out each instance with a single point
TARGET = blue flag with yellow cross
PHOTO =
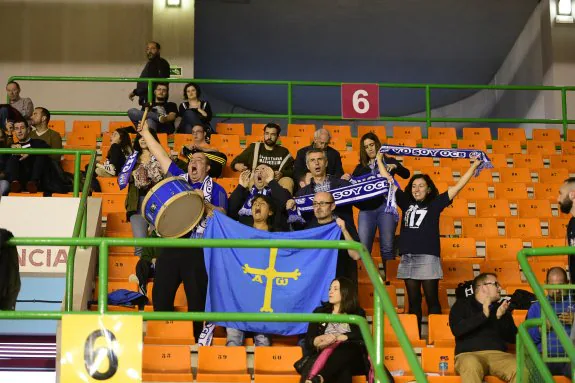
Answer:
(267, 280)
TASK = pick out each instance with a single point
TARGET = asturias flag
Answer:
(267, 280)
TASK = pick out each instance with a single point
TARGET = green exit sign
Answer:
(175, 71)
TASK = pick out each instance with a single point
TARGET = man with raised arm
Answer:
(175, 265)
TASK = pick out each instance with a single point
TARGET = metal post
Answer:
(564, 112)
(427, 106)
(77, 169)
(289, 102)
(150, 92)
(378, 330)
(69, 292)
(103, 278)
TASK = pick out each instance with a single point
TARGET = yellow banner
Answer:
(101, 348)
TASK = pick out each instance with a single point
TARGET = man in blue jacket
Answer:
(563, 305)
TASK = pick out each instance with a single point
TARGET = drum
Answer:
(173, 207)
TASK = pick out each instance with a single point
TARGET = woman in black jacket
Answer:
(372, 213)
(349, 357)
(194, 111)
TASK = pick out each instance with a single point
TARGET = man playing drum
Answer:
(175, 265)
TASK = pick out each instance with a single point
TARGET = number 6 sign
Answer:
(360, 101)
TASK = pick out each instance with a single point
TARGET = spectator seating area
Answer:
(498, 213)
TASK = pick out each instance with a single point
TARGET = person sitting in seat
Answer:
(194, 111)
(251, 185)
(24, 105)
(40, 119)
(120, 150)
(162, 113)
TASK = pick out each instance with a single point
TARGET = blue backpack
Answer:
(123, 297)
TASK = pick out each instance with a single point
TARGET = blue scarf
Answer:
(124, 176)
(439, 153)
(246, 210)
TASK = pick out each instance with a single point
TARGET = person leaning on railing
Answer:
(335, 352)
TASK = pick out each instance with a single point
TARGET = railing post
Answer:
(378, 330)
(150, 92)
(103, 278)
(69, 299)
(77, 170)
(427, 106)
(520, 358)
(564, 112)
(289, 102)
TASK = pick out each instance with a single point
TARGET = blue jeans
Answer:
(4, 187)
(153, 119)
(236, 338)
(368, 221)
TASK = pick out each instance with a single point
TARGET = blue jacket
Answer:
(554, 347)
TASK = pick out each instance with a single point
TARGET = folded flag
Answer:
(267, 280)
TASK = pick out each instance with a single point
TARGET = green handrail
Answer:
(546, 309)
(80, 224)
(382, 302)
(290, 116)
(524, 341)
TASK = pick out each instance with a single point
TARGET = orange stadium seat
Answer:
(417, 163)
(59, 126)
(492, 208)
(379, 131)
(409, 132)
(402, 141)
(236, 129)
(229, 184)
(479, 228)
(446, 225)
(87, 127)
(530, 161)
(455, 271)
(458, 208)
(110, 185)
(222, 141)
(301, 130)
(571, 135)
(395, 360)
(507, 272)
(506, 147)
(552, 176)
(485, 176)
(275, 364)
(522, 228)
(511, 134)
(558, 227)
(545, 148)
(502, 249)
(293, 144)
(250, 139)
(510, 191)
(339, 143)
(115, 125)
(546, 191)
(456, 248)
(409, 323)
(112, 202)
(222, 364)
(498, 160)
(514, 175)
(474, 191)
(561, 161)
(482, 134)
(440, 334)
(439, 174)
(549, 134)
(258, 128)
(170, 332)
(444, 133)
(436, 143)
(77, 140)
(117, 222)
(365, 293)
(431, 356)
(163, 363)
(181, 140)
(472, 144)
(568, 147)
(120, 267)
(340, 131)
(534, 208)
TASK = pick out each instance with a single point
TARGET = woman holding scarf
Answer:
(419, 244)
(372, 212)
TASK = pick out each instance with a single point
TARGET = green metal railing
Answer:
(547, 316)
(80, 224)
(290, 116)
(382, 303)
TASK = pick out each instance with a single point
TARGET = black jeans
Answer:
(30, 169)
(174, 266)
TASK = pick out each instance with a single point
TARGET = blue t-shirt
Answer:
(219, 197)
(554, 347)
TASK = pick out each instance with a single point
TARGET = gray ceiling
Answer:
(406, 41)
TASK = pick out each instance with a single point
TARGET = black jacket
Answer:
(279, 196)
(9, 272)
(157, 67)
(474, 331)
(334, 166)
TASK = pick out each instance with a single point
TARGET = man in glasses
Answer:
(482, 325)
(323, 210)
(563, 306)
(565, 200)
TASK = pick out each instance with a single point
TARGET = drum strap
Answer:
(256, 154)
(285, 160)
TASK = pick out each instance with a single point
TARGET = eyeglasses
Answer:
(322, 204)
(496, 284)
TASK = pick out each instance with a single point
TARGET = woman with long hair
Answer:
(120, 150)
(419, 244)
(372, 214)
(194, 111)
(147, 172)
(344, 343)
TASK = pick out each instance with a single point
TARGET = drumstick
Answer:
(144, 117)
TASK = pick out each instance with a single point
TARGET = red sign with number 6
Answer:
(360, 101)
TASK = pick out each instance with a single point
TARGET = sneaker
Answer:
(15, 187)
(32, 187)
